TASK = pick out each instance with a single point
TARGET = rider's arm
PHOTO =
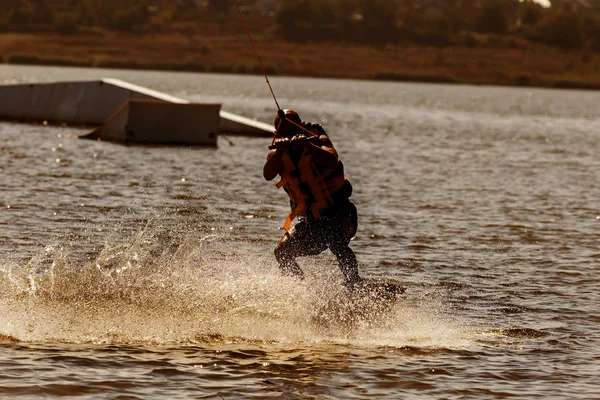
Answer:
(274, 158)
(324, 154)
(273, 164)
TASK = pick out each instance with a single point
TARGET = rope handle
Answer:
(308, 139)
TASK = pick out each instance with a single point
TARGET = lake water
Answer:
(138, 272)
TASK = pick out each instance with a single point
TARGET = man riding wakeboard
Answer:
(313, 177)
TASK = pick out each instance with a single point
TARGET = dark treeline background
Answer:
(569, 24)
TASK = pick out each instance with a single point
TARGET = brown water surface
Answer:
(147, 271)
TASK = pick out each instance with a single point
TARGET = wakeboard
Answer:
(379, 290)
(367, 304)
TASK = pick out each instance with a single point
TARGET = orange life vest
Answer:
(310, 189)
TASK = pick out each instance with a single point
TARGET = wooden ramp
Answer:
(124, 112)
(158, 122)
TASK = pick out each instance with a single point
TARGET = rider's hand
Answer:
(282, 143)
(299, 140)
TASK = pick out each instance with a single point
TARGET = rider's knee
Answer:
(341, 249)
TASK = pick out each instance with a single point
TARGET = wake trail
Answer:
(160, 289)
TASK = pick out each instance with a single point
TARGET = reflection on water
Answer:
(146, 271)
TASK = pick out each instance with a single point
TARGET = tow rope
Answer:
(256, 52)
(280, 112)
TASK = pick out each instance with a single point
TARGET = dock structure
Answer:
(123, 112)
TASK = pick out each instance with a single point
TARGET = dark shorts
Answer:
(335, 228)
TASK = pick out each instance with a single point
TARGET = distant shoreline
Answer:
(522, 65)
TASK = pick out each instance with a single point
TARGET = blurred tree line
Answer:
(567, 24)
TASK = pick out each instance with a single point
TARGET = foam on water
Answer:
(200, 289)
